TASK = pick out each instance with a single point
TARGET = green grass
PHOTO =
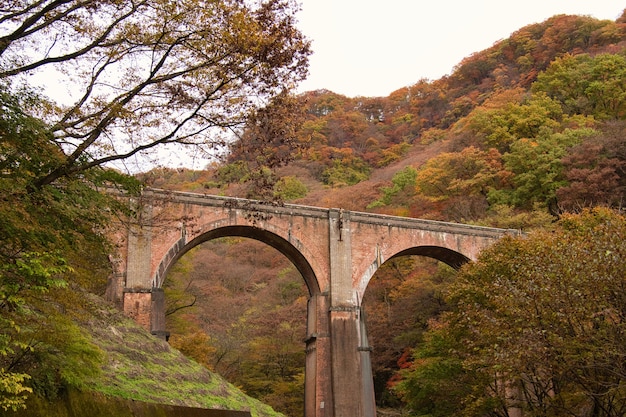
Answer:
(140, 367)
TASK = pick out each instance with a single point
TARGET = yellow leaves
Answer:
(13, 391)
(469, 172)
(432, 135)
(501, 122)
(195, 345)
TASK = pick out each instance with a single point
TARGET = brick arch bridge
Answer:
(336, 252)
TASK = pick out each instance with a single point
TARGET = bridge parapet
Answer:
(269, 208)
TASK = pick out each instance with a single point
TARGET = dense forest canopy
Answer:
(517, 127)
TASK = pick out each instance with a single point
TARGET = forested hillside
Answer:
(522, 135)
(553, 89)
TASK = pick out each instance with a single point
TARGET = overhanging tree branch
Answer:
(154, 71)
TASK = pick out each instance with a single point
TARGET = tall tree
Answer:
(149, 72)
(50, 239)
(539, 321)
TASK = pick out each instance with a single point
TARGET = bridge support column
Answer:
(157, 314)
(352, 384)
(367, 377)
(137, 305)
(318, 400)
(137, 292)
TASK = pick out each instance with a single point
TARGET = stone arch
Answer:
(288, 249)
(448, 256)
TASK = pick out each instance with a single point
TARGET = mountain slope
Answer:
(139, 367)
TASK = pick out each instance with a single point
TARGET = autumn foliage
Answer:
(526, 134)
(536, 324)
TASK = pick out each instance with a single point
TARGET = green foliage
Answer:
(501, 126)
(349, 171)
(31, 271)
(233, 172)
(29, 274)
(403, 181)
(51, 242)
(437, 383)
(585, 84)
(289, 289)
(64, 355)
(537, 169)
(290, 188)
(538, 321)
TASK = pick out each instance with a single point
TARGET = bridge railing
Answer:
(270, 208)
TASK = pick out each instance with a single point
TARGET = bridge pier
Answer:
(318, 398)
(157, 314)
(351, 376)
(338, 374)
(140, 299)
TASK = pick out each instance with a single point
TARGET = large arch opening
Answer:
(402, 298)
(269, 238)
(236, 298)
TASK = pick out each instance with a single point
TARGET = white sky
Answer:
(372, 48)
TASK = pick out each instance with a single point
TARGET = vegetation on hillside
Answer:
(55, 334)
(138, 366)
(50, 244)
(536, 324)
(522, 135)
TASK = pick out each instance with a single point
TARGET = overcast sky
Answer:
(372, 48)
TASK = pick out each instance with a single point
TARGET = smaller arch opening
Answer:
(403, 297)
(452, 258)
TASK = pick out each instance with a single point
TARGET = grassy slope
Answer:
(138, 366)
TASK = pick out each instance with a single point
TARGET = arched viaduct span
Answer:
(336, 252)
